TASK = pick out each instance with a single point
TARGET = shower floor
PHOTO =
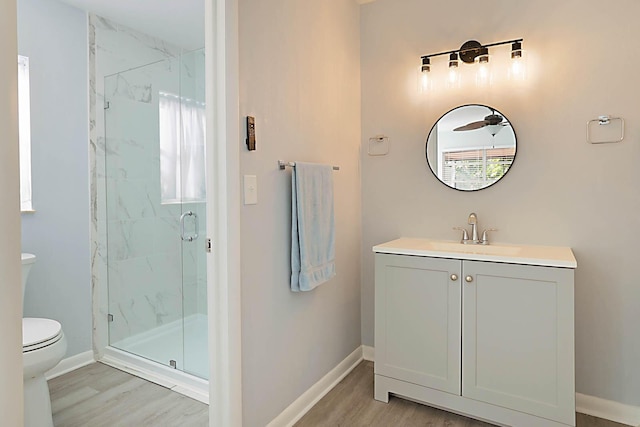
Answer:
(186, 343)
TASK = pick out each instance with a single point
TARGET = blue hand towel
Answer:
(312, 226)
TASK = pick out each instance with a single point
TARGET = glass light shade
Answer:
(425, 81)
(484, 75)
(518, 67)
(493, 129)
(453, 77)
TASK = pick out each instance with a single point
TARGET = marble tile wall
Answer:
(143, 273)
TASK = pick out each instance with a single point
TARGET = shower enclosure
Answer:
(155, 198)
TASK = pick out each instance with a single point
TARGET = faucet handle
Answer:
(465, 234)
(485, 239)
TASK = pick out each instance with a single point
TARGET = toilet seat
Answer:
(39, 333)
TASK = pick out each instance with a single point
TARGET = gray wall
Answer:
(560, 191)
(54, 37)
(299, 76)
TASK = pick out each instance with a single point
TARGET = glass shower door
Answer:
(156, 209)
(143, 234)
(192, 165)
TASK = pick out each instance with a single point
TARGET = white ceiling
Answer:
(462, 116)
(180, 22)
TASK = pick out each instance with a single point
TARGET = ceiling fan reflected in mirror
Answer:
(493, 123)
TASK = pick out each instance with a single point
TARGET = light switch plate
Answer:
(250, 190)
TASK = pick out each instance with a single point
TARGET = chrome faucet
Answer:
(474, 240)
(473, 221)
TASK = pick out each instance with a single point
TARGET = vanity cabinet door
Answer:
(417, 320)
(517, 338)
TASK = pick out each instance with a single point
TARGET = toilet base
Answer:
(37, 403)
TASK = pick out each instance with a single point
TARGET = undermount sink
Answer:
(550, 256)
(474, 249)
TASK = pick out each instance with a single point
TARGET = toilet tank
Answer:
(27, 262)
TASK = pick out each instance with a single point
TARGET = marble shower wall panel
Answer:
(139, 303)
(118, 48)
(99, 274)
(200, 77)
(192, 68)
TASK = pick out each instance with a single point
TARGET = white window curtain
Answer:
(182, 136)
(24, 131)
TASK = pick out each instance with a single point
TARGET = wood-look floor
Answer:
(351, 404)
(101, 396)
(98, 395)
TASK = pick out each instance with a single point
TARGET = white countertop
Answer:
(548, 256)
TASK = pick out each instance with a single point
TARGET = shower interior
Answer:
(155, 209)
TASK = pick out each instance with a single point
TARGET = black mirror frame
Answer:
(426, 145)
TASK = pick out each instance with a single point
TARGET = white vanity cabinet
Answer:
(487, 333)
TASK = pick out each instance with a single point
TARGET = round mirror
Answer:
(471, 147)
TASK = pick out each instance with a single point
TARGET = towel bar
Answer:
(283, 165)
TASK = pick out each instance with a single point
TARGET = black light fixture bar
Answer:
(472, 46)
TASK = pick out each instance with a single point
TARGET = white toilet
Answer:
(43, 347)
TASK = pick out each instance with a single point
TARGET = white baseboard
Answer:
(70, 364)
(608, 409)
(368, 353)
(309, 398)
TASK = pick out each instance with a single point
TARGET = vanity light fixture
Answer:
(471, 52)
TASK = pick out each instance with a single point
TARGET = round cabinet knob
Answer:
(454, 277)
(469, 279)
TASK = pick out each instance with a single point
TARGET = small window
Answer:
(24, 133)
(182, 135)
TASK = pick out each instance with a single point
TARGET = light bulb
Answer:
(482, 76)
(424, 82)
(453, 79)
(483, 73)
(518, 68)
(424, 76)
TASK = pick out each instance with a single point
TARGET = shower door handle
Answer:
(183, 234)
(196, 230)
